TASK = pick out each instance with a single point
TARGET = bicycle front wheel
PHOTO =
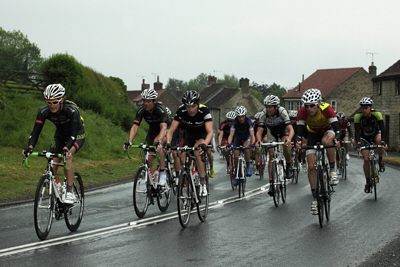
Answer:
(43, 208)
(344, 164)
(231, 172)
(170, 180)
(140, 190)
(320, 192)
(275, 186)
(282, 183)
(241, 178)
(202, 206)
(73, 214)
(295, 168)
(184, 198)
(374, 175)
(328, 193)
(163, 197)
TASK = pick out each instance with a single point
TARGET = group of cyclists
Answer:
(192, 125)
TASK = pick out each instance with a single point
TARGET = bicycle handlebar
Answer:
(144, 147)
(46, 154)
(320, 146)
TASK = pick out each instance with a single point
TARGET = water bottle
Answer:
(152, 177)
(59, 187)
(196, 178)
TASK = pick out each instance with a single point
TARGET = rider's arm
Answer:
(357, 132)
(163, 131)
(210, 132)
(260, 130)
(348, 125)
(230, 138)
(133, 132)
(253, 138)
(381, 125)
(290, 129)
(37, 129)
(336, 129)
(76, 122)
(174, 126)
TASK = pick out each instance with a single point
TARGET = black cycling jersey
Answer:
(195, 125)
(68, 124)
(159, 115)
(369, 127)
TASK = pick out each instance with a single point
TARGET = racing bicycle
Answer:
(241, 170)
(49, 197)
(341, 159)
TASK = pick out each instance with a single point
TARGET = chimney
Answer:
(372, 70)
(212, 79)
(178, 93)
(158, 85)
(145, 86)
(244, 85)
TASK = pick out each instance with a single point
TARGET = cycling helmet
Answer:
(231, 115)
(311, 96)
(240, 111)
(257, 115)
(271, 100)
(149, 94)
(54, 91)
(190, 98)
(366, 101)
(340, 115)
(168, 111)
(293, 113)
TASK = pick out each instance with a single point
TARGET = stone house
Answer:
(386, 96)
(341, 88)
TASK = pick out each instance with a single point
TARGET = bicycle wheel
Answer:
(328, 192)
(163, 197)
(275, 187)
(231, 171)
(184, 198)
(343, 164)
(373, 178)
(282, 182)
(242, 180)
(202, 206)
(170, 180)
(320, 192)
(43, 208)
(295, 168)
(261, 165)
(73, 214)
(140, 191)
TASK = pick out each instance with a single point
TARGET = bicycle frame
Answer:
(373, 167)
(241, 169)
(277, 171)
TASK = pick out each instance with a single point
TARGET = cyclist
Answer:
(199, 130)
(242, 133)
(320, 121)
(69, 136)
(369, 125)
(156, 117)
(279, 128)
(302, 153)
(224, 130)
(345, 128)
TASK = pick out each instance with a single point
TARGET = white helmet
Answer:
(340, 115)
(190, 97)
(240, 111)
(311, 96)
(271, 100)
(168, 111)
(54, 91)
(257, 115)
(366, 101)
(293, 114)
(149, 94)
(231, 115)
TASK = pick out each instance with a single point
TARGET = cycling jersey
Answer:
(68, 122)
(154, 118)
(242, 129)
(320, 122)
(345, 128)
(368, 127)
(225, 127)
(276, 123)
(195, 125)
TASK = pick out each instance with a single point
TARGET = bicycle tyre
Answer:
(163, 197)
(275, 186)
(231, 171)
(202, 206)
(241, 182)
(73, 214)
(344, 164)
(373, 179)
(320, 192)
(295, 168)
(261, 166)
(43, 208)
(328, 193)
(140, 192)
(184, 198)
(170, 179)
(282, 183)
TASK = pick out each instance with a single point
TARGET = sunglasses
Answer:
(310, 105)
(49, 102)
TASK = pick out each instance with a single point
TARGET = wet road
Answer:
(237, 233)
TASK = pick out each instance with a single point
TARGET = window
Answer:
(334, 104)
(298, 105)
(379, 88)
(290, 105)
(397, 87)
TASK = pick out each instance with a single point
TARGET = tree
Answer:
(230, 81)
(17, 53)
(173, 84)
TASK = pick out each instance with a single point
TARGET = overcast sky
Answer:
(266, 41)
